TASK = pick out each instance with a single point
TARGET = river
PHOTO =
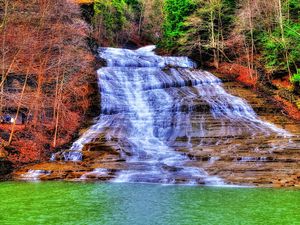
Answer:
(145, 204)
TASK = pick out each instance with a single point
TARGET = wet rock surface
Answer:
(179, 126)
(100, 156)
(266, 161)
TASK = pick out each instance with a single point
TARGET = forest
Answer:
(264, 35)
(256, 41)
(47, 61)
(46, 76)
(149, 112)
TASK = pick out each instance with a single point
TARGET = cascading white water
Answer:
(34, 175)
(158, 104)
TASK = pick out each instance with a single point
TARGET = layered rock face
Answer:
(163, 121)
(258, 159)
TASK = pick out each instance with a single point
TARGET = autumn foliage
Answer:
(243, 74)
(43, 48)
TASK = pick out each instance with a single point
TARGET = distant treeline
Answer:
(261, 34)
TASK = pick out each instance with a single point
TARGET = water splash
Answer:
(34, 175)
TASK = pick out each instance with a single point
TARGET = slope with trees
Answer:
(43, 49)
(258, 41)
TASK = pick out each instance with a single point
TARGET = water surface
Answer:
(97, 203)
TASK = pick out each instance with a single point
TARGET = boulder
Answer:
(6, 167)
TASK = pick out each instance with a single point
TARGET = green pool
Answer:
(96, 203)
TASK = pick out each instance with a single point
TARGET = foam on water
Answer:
(34, 175)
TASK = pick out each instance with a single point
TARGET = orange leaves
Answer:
(242, 73)
(49, 37)
(28, 151)
(84, 1)
(289, 107)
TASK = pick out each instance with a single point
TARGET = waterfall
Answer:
(154, 106)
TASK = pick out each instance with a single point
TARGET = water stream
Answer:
(153, 105)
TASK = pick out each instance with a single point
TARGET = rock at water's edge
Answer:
(6, 167)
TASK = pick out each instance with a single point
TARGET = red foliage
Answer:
(8, 127)
(46, 42)
(28, 151)
(290, 108)
(283, 83)
(242, 73)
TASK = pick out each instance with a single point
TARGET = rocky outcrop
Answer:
(267, 161)
(6, 168)
(96, 155)
(162, 121)
(258, 160)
